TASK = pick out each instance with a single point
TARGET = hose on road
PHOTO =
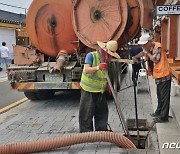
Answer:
(58, 142)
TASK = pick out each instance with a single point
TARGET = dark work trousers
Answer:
(163, 95)
(93, 105)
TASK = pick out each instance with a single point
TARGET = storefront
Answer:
(8, 35)
(170, 27)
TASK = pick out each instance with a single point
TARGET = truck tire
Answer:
(45, 94)
(40, 94)
(31, 95)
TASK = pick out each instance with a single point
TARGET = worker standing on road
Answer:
(93, 102)
(158, 67)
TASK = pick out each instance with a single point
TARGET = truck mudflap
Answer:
(45, 85)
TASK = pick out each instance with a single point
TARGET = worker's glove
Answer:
(134, 60)
(102, 66)
(145, 52)
(51, 70)
(109, 90)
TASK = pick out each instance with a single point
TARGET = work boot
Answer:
(153, 115)
(159, 120)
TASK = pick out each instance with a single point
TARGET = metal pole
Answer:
(135, 101)
(123, 122)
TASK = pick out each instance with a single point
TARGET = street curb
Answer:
(166, 132)
(175, 109)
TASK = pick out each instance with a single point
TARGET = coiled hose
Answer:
(57, 142)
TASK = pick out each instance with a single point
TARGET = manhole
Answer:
(140, 141)
(142, 124)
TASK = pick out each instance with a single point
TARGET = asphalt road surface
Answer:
(7, 95)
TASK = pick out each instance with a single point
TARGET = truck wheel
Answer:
(31, 95)
(45, 94)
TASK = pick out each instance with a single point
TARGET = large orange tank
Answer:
(96, 20)
(53, 25)
(104, 20)
(49, 26)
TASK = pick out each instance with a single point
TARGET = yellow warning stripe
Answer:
(13, 105)
(3, 80)
(21, 86)
(75, 85)
(31, 86)
(24, 86)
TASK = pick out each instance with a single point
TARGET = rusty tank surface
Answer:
(99, 20)
(106, 20)
(49, 26)
(55, 25)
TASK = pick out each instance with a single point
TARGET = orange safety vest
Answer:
(162, 68)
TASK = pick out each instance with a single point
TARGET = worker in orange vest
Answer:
(158, 67)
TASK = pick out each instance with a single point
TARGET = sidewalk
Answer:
(36, 120)
(3, 74)
(167, 132)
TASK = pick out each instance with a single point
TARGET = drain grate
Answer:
(142, 124)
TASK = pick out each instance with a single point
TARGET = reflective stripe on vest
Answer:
(95, 82)
(161, 62)
(161, 69)
(94, 77)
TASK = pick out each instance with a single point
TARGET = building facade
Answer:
(170, 30)
(12, 29)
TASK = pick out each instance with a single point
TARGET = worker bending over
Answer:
(93, 102)
(158, 67)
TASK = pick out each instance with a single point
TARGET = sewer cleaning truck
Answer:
(73, 26)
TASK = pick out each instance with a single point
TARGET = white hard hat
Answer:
(145, 37)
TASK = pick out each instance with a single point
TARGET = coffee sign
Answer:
(168, 10)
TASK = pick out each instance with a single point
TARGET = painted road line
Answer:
(13, 105)
(3, 80)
